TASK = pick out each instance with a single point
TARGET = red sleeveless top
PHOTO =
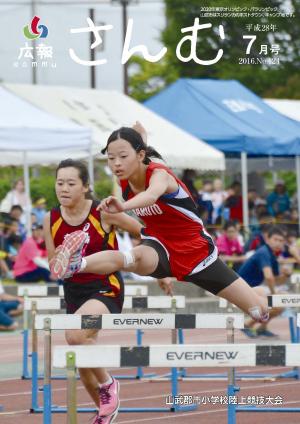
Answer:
(175, 222)
(99, 240)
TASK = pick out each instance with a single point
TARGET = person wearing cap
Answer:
(39, 210)
(278, 201)
(31, 264)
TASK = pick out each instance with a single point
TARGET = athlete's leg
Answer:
(68, 260)
(222, 281)
(246, 298)
(274, 312)
(90, 377)
(141, 260)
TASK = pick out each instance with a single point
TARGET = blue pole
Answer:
(174, 387)
(34, 381)
(47, 404)
(231, 412)
(292, 329)
(139, 341)
(181, 341)
(25, 372)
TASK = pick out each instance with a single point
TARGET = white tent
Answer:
(104, 111)
(290, 108)
(29, 135)
(30, 131)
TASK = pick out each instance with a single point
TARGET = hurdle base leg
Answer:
(184, 408)
(232, 408)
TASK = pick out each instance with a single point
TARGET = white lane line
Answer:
(127, 383)
(211, 411)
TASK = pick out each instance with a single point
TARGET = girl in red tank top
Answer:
(174, 240)
(88, 293)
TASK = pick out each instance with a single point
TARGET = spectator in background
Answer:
(235, 202)
(188, 178)
(262, 267)
(205, 200)
(10, 306)
(16, 214)
(218, 197)
(291, 251)
(16, 196)
(258, 239)
(39, 210)
(13, 245)
(31, 264)
(229, 247)
(278, 201)
(289, 220)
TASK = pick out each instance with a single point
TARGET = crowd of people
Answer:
(25, 258)
(22, 257)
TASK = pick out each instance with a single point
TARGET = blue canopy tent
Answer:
(232, 118)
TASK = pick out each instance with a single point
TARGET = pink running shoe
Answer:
(109, 399)
(100, 419)
(67, 259)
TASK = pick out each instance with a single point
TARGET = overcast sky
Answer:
(149, 20)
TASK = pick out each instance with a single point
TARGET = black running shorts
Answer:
(214, 278)
(77, 294)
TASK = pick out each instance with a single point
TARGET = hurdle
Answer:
(128, 321)
(56, 303)
(27, 291)
(53, 290)
(218, 355)
(277, 300)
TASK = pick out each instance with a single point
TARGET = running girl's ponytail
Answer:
(151, 153)
(135, 139)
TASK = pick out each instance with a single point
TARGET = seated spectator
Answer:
(16, 214)
(262, 267)
(31, 264)
(39, 210)
(13, 245)
(235, 202)
(229, 246)
(278, 201)
(10, 306)
(291, 251)
(258, 239)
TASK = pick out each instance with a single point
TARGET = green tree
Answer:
(262, 79)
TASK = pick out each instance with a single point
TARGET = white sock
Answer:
(107, 383)
(83, 264)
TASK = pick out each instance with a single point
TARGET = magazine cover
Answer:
(149, 211)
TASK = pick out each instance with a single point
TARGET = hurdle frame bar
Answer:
(233, 389)
(35, 376)
(174, 379)
(294, 337)
(248, 355)
(32, 290)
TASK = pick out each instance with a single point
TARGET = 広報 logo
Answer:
(34, 30)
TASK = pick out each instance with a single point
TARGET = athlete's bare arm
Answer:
(141, 130)
(124, 222)
(160, 183)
